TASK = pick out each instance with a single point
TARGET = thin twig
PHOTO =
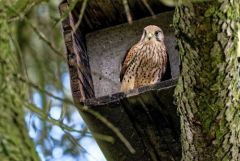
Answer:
(127, 10)
(113, 128)
(65, 13)
(80, 16)
(39, 34)
(28, 7)
(43, 37)
(73, 141)
(85, 109)
(66, 129)
(63, 126)
(145, 2)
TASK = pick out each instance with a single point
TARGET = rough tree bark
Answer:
(15, 144)
(208, 89)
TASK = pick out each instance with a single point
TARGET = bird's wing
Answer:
(127, 59)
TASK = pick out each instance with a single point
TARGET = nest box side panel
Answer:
(78, 63)
(107, 47)
(116, 151)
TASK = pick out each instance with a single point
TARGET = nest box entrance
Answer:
(107, 47)
(146, 116)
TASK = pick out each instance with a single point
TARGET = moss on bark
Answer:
(208, 89)
(15, 144)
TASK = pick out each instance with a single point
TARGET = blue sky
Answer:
(88, 143)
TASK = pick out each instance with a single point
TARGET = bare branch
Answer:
(127, 10)
(39, 34)
(63, 126)
(85, 109)
(84, 4)
(145, 2)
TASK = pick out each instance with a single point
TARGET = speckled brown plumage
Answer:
(146, 61)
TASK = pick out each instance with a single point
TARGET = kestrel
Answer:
(146, 61)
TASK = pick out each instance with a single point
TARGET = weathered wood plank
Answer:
(78, 63)
(100, 14)
(155, 126)
(117, 151)
(149, 121)
(105, 100)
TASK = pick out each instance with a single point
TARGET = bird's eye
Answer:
(157, 32)
(159, 35)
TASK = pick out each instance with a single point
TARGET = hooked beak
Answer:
(150, 35)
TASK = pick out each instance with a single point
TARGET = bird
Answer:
(145, 63)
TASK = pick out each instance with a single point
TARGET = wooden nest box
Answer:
(147, 116)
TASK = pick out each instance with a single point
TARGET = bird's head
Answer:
(152, 32)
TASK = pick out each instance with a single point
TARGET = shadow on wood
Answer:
(147, 116)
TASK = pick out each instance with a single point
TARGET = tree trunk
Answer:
(208, 89)
(15, 144)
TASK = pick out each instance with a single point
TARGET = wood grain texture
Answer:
(78, 63)
(148, 119)
(106, 13)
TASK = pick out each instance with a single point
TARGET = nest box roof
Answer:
(101, 14)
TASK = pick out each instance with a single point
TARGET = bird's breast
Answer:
(153, 52)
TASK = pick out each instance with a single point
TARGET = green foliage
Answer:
(14, 140)
(31, 61)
